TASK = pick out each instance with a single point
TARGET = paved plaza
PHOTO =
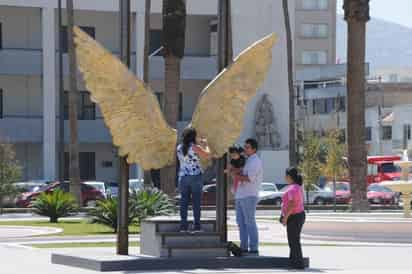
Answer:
(335, 243)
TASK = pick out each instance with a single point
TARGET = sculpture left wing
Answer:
(129, 107)
(219, 115)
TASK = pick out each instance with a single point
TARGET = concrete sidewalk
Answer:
(333, 260)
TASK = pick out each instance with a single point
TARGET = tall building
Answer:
(29, 74)
(315, 33)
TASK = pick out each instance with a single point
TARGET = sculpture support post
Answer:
(225, 58)
(123, 205)
(406, 197)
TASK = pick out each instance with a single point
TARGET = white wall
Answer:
(252, 22)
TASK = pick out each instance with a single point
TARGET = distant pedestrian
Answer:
(293, 216)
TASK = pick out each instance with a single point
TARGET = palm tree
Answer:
(292, 133)
(174, 26)
(147, 174)
(356, 15)
(74, 171)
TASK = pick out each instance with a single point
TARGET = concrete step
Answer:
(174, 225)
(191, 250)
(198, 238)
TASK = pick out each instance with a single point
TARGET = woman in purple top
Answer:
(293, 216)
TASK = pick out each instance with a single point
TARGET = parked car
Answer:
(99, 186)
(136, 184)
(343, 193)
(209, 195)
(317, 196)
(379, 194)
(24, 189)
(270, 194)
(89, 194)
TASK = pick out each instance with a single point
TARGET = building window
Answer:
(314, 30)
(89, 30)
(315, 4)
(387, 133)
(86, 109)
(314, 58)
(87, 165)
(1, 104)
(159, 96)
(155, 41)
(1, 36)
(180, 106)
(341, 104)
(368, 134)
(407, 131)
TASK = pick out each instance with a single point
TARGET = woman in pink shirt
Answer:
(293, 216)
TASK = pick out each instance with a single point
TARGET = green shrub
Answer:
(105, 213)
(150, 202)
(54, 205)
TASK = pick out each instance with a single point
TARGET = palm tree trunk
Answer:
(74, 171)
(289, 45)
(171, 106)
(174, 27)
(356, 15)
(146, 78)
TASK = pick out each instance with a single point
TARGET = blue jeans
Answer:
(246, 220)
(190, 187)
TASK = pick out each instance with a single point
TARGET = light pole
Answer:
(61, 95)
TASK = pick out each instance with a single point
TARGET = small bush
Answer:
(105, 213)
(150, 202)
(54, 205)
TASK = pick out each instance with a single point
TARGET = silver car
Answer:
(269, 194)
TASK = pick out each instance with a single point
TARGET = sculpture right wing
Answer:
(130, 110)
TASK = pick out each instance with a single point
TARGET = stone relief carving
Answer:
(265, 125)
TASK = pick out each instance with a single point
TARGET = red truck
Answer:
(383, 168)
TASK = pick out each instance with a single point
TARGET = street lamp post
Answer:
(61, 95)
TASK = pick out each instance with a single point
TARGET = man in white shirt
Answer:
(246, 197)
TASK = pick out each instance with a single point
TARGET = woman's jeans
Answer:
(190, 187)
(246, 220)
(294, 228)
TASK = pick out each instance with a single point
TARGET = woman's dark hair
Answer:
(189, 137)
(293, 173)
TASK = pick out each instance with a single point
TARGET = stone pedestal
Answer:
(160, 237)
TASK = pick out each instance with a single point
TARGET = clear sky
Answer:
(397, 11)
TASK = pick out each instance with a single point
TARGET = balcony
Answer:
(325, 72)
(29, 62)
(16, 129)
(193, 68)
(327, 92)
(90, 131)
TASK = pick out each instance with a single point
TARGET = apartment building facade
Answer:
(29, 74)
(315, 33)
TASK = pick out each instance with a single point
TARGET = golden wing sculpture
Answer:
(219, 115)
(133, 115)
(130, 109)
